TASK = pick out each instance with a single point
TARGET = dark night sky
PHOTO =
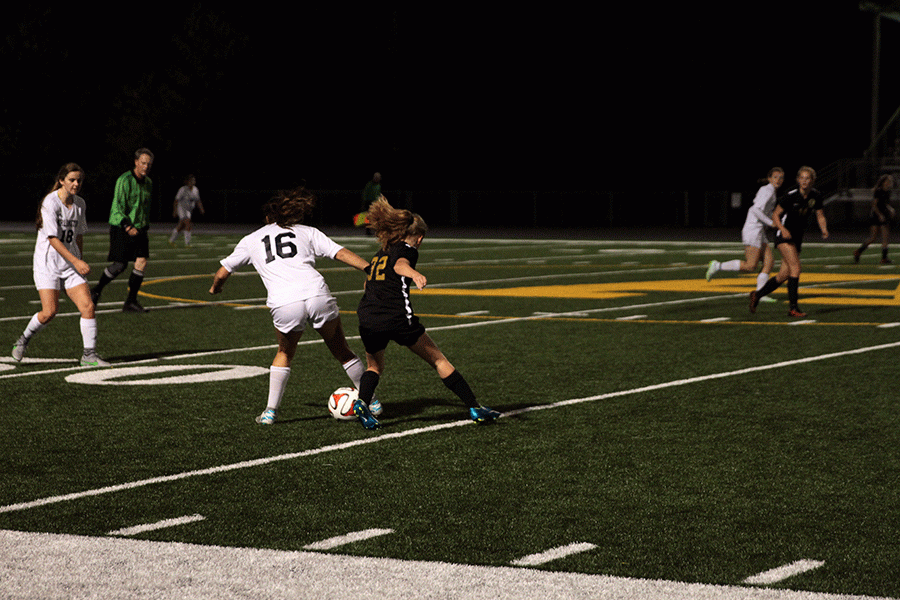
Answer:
(442, 97)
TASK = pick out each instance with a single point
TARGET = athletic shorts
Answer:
(51, 280)
(183, 213)
(376, 341)
(755, 235)
(292, 317)
(796, 241)
(125, 248)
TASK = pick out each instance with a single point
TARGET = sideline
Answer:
(439, 427)
(42, 566)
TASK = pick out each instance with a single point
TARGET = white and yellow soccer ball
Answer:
(340, 403)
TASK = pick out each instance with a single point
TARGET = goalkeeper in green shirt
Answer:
(129, 220)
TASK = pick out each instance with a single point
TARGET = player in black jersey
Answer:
(386, 315)
(879, 218)
(790, 217)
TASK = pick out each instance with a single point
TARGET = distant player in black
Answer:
(879, 218)
(386, 315)
(790, 217)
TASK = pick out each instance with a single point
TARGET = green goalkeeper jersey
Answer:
(131, 202)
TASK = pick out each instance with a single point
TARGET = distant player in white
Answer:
(753, 235)
(186, 200)
(61, 226)
(284, 254)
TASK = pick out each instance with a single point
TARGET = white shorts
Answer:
(754, 235)
(318, 310)
(183, 212)
(50, 280)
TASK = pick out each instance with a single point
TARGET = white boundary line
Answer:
(439, 427)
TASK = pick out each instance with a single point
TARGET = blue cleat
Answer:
(483, 414)
(365, 415)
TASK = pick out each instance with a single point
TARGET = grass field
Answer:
(653, 431)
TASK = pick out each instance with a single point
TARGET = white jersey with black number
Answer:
(64, 223)
(286, 261)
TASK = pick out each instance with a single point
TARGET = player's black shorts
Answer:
(125, 248)
(376, 341)
(796, 239)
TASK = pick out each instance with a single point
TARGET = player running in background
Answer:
(385, 313)
(880, 218)
(790, 216)
(284, 254)
(61, 226)
(753, 234)
(186, 200)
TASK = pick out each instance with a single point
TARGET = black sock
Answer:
(367, 384)
(770, 286)
(884, 254)
(134, 284)
(456, 383)
(104, 279)
(793, 285)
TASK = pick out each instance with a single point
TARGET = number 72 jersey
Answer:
(285, 259)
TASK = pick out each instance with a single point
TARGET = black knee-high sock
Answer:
(770, 286)
(793, 294)
(367, 384)
(134, 284)
(105, 278)
(884, 254)
(457, 384)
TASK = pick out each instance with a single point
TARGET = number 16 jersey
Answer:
(285, 260)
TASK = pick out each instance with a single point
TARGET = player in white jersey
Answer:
(284, 254)
(753, 234)
(61, 226)
(186, 200)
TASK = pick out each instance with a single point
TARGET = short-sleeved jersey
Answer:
(797, 210)
(286, 261)
(385, 305)
(131, 201)
(63, 222)
(187, 198)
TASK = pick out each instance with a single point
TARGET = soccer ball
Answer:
(340, 403)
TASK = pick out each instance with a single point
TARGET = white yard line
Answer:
(138, 529)
(350, 538)
(533, 560)
(374, 439)
(784, 572)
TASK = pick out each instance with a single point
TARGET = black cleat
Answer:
(133, 306)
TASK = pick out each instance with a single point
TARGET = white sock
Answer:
(278, 378)
(731, 265)
(761, 280)
(89, 333)
(173, 236)
(34, 326)
(354, 369)
(187, 237)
